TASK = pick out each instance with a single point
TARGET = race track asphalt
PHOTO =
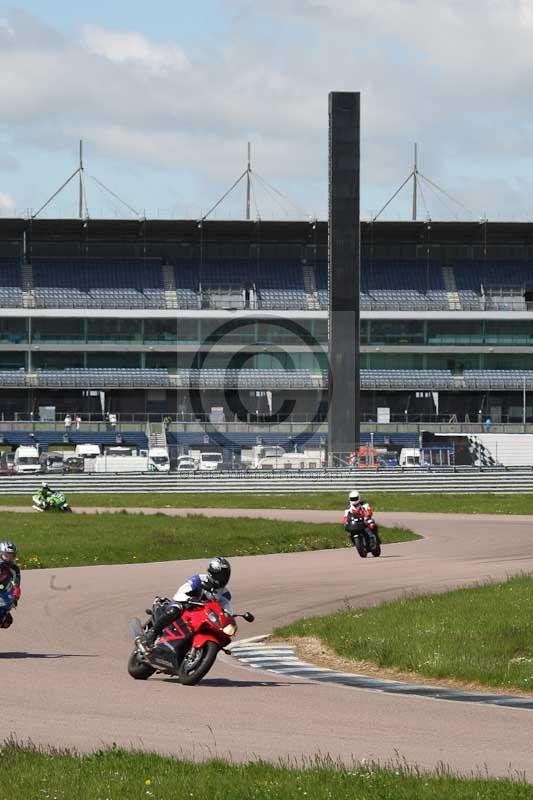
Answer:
(65, 683)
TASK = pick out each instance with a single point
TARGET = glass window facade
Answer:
(161, 330)
(51, 359)
(13, 331)
(114, 330)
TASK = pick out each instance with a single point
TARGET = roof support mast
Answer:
(83, 211)
(417, 177)
(415, 182)
(248, 181)
(80, 173)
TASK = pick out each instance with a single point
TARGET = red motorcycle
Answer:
(188, 647)
(363, 533)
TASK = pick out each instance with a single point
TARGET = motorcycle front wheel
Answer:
(138, 668)
(376, 552)
(361, 548)
(197, 663)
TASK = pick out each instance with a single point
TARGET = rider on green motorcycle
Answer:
(45, 492)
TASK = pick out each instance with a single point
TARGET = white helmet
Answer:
(354, 496)
(44, 485)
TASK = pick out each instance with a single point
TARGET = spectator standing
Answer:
(68, 423)
(78, 421)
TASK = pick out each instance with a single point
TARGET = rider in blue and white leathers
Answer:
(200, 587)
(204, 586)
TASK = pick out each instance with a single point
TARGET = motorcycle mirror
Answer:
(248, 616)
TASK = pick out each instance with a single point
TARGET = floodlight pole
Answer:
(248, 181)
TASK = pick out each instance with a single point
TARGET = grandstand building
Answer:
(228, 320)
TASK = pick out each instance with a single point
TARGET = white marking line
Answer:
(265, 660)
(301, 669)
(262, 650)
(241, 656)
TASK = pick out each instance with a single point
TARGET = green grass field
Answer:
(60, 540)
(483, 634)
(335, 501)
(119, 775)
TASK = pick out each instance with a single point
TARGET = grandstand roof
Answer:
(172, 230)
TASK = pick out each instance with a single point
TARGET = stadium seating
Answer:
(508, 379)
(186, 279)
(12, 378)
(279, 284)
(99, 378)
(406, 379)
(139, 283)
(86, 283)
(10, 283)
(247, 378)
(472, 276)
(46, 439)
(402, 285)
(250, 439)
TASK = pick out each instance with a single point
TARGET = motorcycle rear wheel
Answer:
(197, 663)
(138, 668)
(376, 552)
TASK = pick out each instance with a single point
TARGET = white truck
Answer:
(87, 450)
(158, 460)
(410, 457)
(27, 459)
(114, 463)
(290, 461)
(276, 457)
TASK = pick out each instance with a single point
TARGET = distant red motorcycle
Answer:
(189, 646)
(364, 535)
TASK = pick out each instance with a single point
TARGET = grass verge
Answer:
(47, 540)
(335, 501)
(481, 635)
(124, 775)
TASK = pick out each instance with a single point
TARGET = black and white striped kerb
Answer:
(282, 660)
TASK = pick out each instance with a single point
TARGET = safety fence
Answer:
(460, 480)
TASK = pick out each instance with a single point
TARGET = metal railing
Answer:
(443, 481)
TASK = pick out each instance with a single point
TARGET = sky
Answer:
(166, 97)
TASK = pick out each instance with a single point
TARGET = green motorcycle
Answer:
(54, 502)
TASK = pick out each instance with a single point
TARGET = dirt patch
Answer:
(311, 649)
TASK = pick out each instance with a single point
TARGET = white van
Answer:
(27, 459)
(209, 462)
(158, 459)
(186, 464)
(410, 457)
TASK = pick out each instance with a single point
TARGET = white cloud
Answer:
(454, 76)
(5, 28)
(128, 46)
(6, 202)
